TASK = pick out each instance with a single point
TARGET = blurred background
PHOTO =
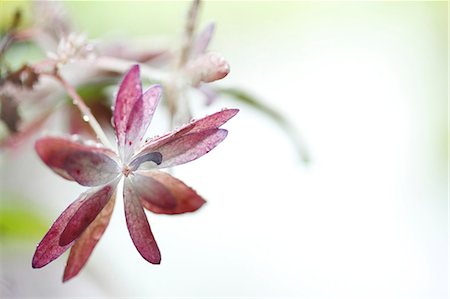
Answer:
(366, 86)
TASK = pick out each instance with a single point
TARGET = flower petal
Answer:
(140, 118)
(130, 91)
(87, 213)
(208, 123)
(209, 93)
(190, 147)
(138, 225)
(85, 244)
(49, 249)
(202, 41)
(161, 193)
(88, 165)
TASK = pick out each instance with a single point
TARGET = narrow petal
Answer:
(163, 194)
(208, 123)
(49, 248)
(85, 244)
(138, 226)
(140, 118)
(203, 40)
(130, 91)
(90, 168)
(88, 165)
(190, 147)
(87, 213)
(209, 93)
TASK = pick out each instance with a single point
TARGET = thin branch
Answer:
(122, 65)
(85, 111)
(188, 33)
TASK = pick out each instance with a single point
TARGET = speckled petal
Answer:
(161, 193)
(86, 214)
(203, 136)
(85, 244)
(138, 225)
(49, 249)
(130, 91)
(140, 118)
(190, 147)
(90, 168)
(86, 164)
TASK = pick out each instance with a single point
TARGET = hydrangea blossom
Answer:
(138, 162)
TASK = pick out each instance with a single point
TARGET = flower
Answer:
(83, 223)
(204, 66)
(196, 68)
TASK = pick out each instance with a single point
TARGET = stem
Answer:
(188, 33)
(85, 111)
(122, 65)
(172, 86)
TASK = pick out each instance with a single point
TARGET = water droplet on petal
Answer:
(76, 137)
(85, 118)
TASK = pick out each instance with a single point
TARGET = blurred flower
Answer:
(195, 67)
(204, 66)
(52, 19)
(71, 48)
(83, 223)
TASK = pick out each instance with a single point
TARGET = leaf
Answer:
(19, 220)
(93, 92)
(248, 99)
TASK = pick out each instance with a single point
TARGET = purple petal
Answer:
(86, 214)
(49, 248)
(203, 40)
(85, 244)
(138, 226)
(140, 118)
(130, 91)
(190, 147)
(88, 165)
(207, 124)
(163, 194)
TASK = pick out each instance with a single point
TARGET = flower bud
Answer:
(208, 67)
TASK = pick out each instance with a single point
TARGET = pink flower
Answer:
(83, 223)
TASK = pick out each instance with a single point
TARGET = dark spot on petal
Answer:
(155, 157)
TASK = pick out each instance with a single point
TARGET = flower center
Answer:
(126, 170)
